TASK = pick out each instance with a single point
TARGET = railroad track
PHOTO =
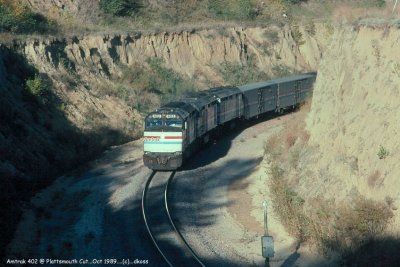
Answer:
(159, 223)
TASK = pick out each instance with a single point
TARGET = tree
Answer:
(19, 18)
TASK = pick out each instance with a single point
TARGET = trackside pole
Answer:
(267, 242)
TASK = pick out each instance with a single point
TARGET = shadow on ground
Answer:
(380, 252)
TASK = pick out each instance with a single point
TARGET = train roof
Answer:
(198, 100)
(262, 84)
(179, 107)
(203, 98)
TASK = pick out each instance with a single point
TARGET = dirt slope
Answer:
(353, 121)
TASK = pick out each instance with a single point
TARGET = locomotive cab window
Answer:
(168, 122)
(151, 123)
(175, 123)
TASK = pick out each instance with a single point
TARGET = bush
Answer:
(144, 87)
(239, 74)
(39, 89)
(166, 81)
(382, 153)
(235, 9)
(19, 18)
(363, 220)
(287, 204)
(120, 7)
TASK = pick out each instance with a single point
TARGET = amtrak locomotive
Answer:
(174, 131)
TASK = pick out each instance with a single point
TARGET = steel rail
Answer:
(173, 224)
(146, 187)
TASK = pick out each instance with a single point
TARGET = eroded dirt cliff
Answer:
(354, 116)
(344, 169)
(333, 171)
(85, 70)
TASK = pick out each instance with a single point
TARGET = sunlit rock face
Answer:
(354, 117)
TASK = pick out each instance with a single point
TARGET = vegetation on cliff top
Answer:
(22, 16)
(18, 17)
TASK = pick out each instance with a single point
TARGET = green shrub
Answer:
(231, 9)
(7, 18)
(144, 87)
(239, 74)
(382, 153)
(166, 81)
(120, 7)
(39, 89)
(19, 18)
(380, 3)
(375, 3)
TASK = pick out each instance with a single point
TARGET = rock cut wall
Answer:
(354, 119)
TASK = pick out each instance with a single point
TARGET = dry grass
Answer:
(81, 17)
(287, 204)
(363, 219)
(271, 146)
(351, 13)
(389, 201)
(290, 138)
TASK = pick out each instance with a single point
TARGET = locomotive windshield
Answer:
(173, 123)
(165, 122)
(153, 123)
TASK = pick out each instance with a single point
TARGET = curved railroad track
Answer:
(159, 223)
